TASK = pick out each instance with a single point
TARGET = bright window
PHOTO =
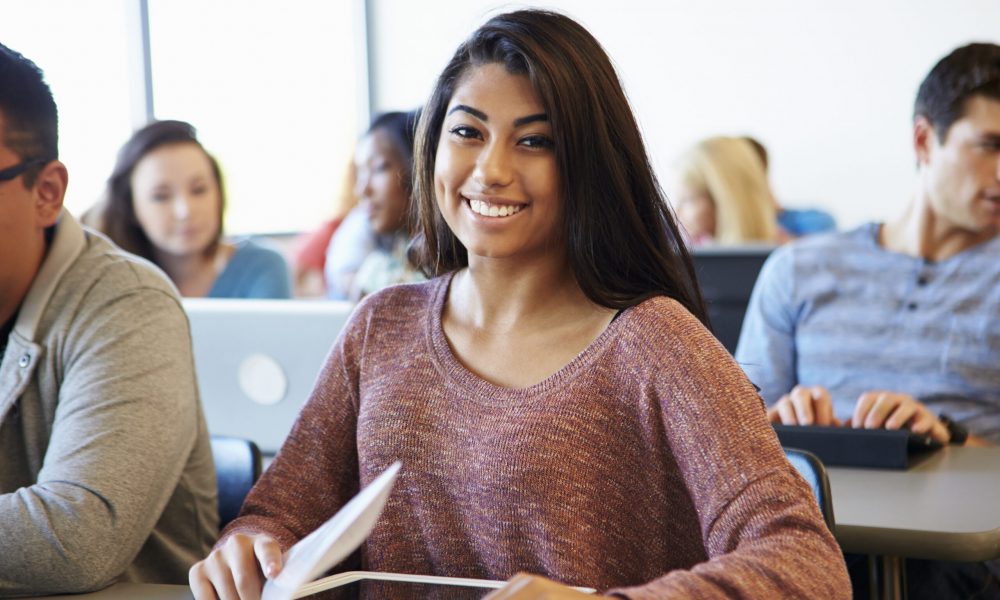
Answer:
(89, 73)
(272, 88)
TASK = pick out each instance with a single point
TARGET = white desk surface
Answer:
(945, 507)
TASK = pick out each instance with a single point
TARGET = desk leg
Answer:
(874, 577)
(893, 578)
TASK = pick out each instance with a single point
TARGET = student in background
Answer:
(897, 324)
(547, 398)
(796, 222)
(384, 167)
(105, 464)
(370, 252)
(308, 253)
(723, 196)
(165, 203)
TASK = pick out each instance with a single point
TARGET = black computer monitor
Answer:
(727, 275)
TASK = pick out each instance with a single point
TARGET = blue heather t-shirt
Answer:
(839, 310)
(253, 271)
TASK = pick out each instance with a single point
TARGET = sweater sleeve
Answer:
(316, 470)
(766, 348)
(760, 524)
(125, 424)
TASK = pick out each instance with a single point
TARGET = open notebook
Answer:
(336, 539)
(332, 541)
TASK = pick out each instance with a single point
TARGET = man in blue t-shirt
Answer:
(897, 324)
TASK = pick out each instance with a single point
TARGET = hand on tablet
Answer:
(532, 587)
(890, 410)
(804, 405)
(811, 405)
(235, 571)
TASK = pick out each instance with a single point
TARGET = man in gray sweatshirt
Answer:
(106, 468)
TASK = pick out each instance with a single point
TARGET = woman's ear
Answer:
(50, 190)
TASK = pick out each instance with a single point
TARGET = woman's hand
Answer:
(532, 587)
(236, 570)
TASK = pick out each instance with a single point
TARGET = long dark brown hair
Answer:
(622, 241)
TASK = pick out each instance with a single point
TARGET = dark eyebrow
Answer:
(475, 113)
(530, 119)
(482, 116)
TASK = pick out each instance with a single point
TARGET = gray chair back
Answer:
(812, 470)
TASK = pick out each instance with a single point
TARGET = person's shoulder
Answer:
(114, 271)
(663, 341)
(105, 285)
(807, 251)
(257, 252)
(663, 320)
(399, 311)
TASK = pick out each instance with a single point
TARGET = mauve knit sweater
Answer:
(645, 466)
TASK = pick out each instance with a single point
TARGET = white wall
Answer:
(827, 86)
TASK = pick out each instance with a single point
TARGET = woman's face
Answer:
(381, 181)
(176, 199)
(495, 175)
(696, 212)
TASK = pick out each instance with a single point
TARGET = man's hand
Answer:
(531, 587)
(235, 571)
(890, 410)
(804, 405)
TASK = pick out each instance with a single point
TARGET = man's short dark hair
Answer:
(968, 71)
(30, 119)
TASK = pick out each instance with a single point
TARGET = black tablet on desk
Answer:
(850, 447)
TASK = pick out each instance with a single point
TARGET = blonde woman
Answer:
(722, 195)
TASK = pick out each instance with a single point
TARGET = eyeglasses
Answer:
(12, 172)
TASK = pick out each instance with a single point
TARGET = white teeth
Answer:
(493, 210)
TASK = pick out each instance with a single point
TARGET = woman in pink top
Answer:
(559, 407)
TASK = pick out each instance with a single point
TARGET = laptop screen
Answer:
(257, 361)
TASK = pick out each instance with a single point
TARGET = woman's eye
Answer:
(200, 190)
(465, 132)
(161, 197)
(537, 141)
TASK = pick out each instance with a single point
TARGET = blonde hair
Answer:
(731, 174)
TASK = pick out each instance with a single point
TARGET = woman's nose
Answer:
(493, 166)
(182, 207)
(362, 186)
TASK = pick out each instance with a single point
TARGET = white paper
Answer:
(332, 541)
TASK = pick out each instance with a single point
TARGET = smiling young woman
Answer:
(555, 398)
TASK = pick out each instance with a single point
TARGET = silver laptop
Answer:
(257, 361)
